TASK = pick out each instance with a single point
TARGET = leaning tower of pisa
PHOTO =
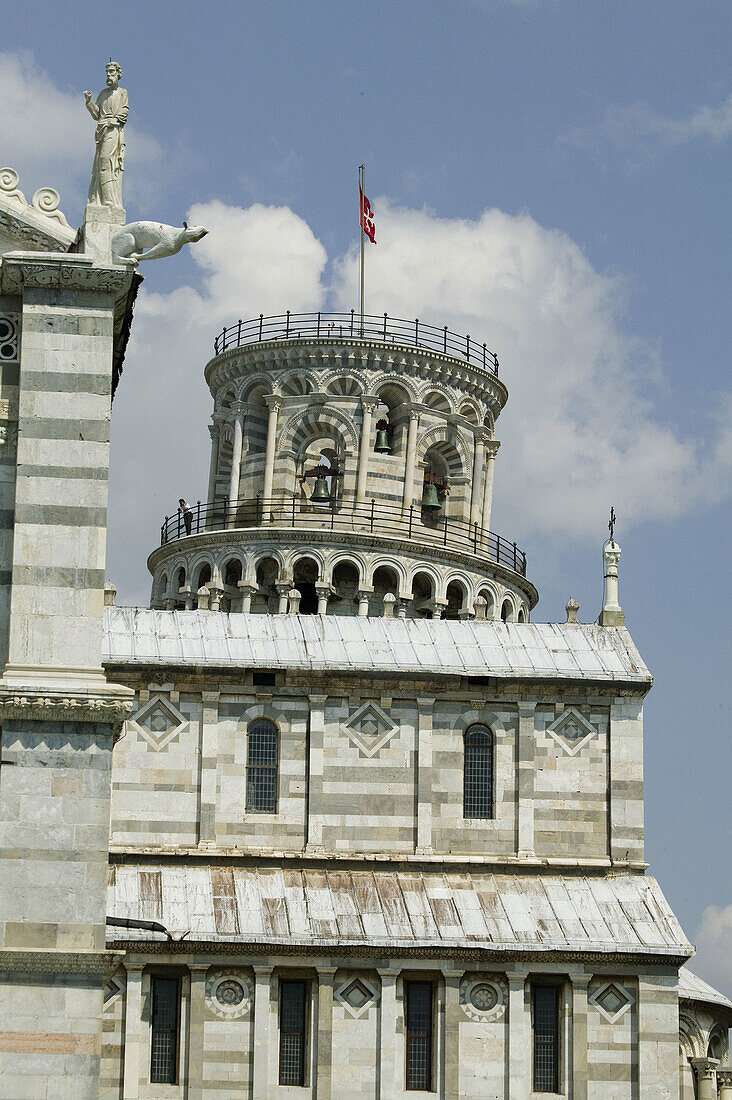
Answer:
(351, 474)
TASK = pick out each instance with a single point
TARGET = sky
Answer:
(550, 176)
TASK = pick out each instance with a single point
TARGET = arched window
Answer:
(262, 767)
(478, 772)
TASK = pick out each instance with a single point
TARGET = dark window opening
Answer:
(262, 753)
(418, 997)
(264, 679)
(309, 598)
(292, 1032)
(164, 1040)
(478, 772)
(546, 1038)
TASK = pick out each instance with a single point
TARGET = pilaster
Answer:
(324, 1069)
(314, 829)
(209, 757)
(196, 1054)
(580, 1077)
(133, 1032)
(262, 1080)
(425, 707)
(518, 1036)
(525, 779)
(452, 1034)
(390, 1079)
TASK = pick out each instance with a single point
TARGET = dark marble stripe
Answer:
(41, 427)
(67, 515)
(72, 473)
(41, 381)
(58, 576)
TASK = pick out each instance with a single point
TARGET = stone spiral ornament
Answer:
(9, 179)
(46, 199)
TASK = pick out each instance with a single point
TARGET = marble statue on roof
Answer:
(109, 110)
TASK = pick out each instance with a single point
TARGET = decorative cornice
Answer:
(61, 271)
(39, 222)
(51, 961)
(36, 704)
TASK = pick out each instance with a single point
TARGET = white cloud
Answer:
(47, 135)
(713, 959)
(580, 431)
(263, 259)
(638, 130)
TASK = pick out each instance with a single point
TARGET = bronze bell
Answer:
(382, 445)
(429, 497)
(321, 492)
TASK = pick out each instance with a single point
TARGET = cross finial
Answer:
(611, 524)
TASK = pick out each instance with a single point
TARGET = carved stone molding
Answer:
(62, 272)
(48, 961)
(112, 709)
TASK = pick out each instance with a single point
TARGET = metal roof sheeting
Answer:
(315, 642)
(693, 988)
(390, 909)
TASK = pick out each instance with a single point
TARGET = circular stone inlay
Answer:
(229, 992)
(483, 997)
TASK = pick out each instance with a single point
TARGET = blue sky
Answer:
(550, 175)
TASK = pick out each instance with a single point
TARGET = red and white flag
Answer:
(367, 217)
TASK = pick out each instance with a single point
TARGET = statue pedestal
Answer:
(100, 225)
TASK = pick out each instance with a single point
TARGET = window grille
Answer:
(478, 772)
(262, 752)
(164, 1039)
(418, 997)
(546, 1038)
(292, 1032)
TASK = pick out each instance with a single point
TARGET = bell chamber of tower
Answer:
(351, 473)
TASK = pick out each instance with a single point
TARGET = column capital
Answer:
(326, 971)
(214, 429)
(705, 1068)
(262, 971)
(369, 402)
(491, 447)
(425, 703)
(210, 696)
(238, 408)
(526, 709)
(517, 976)
(199, 969)
(273, 401)
(318, 700)
(724, 1075)
(388, 971)
(134, 967)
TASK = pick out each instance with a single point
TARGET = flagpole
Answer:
(362, 195)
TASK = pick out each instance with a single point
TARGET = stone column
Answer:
(658, 1034)
(322, 591)
(262, 1086)
(518, 1035)
(477, 484)
(363, 602)
(238, 424)
(283, 594)
(196, 1018)
(213, 469)
(612, 613)
(324, 1067)
(491, 449)
(706, 1077)
(368, 405)
(391, 1079)
(133, 1027)
(452, 1034)
(724, 1080)
(580, 1074)
(410, 460)
(314, 824)
(525, 780)
(209, 756)
(247, 591)
(274, 404)
(425, 707)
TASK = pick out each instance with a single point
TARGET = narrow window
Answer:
(164, 1042)
(292, 1032)
(546, 1038)
(478, 772)
(262, 767)
(419, 1035)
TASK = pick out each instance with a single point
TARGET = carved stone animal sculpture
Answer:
(159, 240)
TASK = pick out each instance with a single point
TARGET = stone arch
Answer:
(345, 556)
(306, 424)
(424, 584)
(344, 384)
(233, 569)
(470, 411)
(388, 388)
(251, 383)
(717, 1043)
(691, 1037)
(457, 594)
(396, 566)
(295, 384)
(437, 397)
(521, 617)
(268, 554)
(490, 594)
(453, 448)
(508, 609)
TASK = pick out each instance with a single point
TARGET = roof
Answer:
(134, 636)
(693, 988)
(397, 909)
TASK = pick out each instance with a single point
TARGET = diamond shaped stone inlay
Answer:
(357, 995)
(571, 730)
(158, 722)
(369, 728)
(612, 999)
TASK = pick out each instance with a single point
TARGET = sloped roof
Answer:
(693, 988)
(396, 909)
(315, 642)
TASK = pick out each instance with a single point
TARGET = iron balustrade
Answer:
(385, 329)
(370, 517)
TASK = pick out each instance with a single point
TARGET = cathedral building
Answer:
(333, 817)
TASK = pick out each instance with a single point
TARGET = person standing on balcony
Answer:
(185, 510)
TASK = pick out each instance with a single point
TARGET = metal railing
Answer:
(392, 330)
(371, 517)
